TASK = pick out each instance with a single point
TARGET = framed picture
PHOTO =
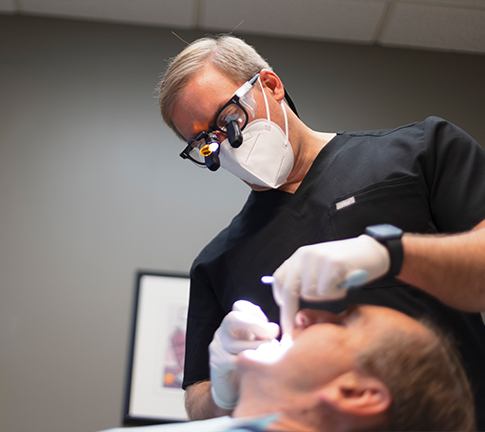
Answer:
(157, 348)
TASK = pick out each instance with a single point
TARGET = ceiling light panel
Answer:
(437, 27)
(7, 6)
(348, 20)
(176, 13)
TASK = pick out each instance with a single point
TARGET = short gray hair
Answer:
(429, 386)
(231, 55)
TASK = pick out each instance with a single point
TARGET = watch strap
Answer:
(390, 237)
(396, 255)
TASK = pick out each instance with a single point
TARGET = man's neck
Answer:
(308, 144)
(296, 412)
(295, 419)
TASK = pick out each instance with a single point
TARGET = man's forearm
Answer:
(199, 404)
(449, 267)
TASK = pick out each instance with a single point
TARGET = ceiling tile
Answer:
(477, 4)
(177, 13)
(349, 20)
(7, 6)
(438, 27)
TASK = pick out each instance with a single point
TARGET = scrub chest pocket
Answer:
(401, 202)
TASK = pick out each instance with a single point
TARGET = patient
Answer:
(369, 368)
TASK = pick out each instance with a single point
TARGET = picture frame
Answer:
(153, 393)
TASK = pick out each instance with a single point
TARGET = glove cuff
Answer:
(221, 403)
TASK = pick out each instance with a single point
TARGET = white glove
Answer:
(325, 271)
(245, 327)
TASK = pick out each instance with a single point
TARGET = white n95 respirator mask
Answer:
(265, 157)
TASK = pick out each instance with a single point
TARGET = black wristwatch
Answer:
(389, 236)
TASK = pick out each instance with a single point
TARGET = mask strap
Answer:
(265, 99)
(286, 119)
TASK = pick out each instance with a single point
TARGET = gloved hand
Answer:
(245, 327)
(325, 271)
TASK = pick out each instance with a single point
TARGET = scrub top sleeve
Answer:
(203, 318)
(455, 173)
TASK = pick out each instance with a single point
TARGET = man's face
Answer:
(200, 100)
(326, 345)
(208, 90)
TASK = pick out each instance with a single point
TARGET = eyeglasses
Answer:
(229, 121)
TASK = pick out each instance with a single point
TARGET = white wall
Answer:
(91, 188)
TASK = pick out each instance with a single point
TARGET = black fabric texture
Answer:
(426, 177)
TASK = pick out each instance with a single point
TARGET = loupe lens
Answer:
(234, 134)
(211, 155)
(212, 162)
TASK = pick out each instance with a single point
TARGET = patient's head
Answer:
(369, 368)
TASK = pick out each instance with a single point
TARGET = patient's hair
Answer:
(231, 55)
(429, 388)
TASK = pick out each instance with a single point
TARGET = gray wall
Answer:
(91, 188)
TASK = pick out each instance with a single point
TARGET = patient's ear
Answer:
(356, 394)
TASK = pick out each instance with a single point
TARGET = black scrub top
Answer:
(426, 177)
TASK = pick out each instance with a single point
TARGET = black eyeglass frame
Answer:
(240, 92)
(185, 154)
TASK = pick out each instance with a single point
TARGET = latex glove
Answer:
(245, 327)
(325, 271)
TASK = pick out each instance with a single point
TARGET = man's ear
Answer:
(356, 394)
(273, 82)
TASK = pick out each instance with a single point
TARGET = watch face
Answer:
(384, 231)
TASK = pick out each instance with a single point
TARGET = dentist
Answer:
(397, 214)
